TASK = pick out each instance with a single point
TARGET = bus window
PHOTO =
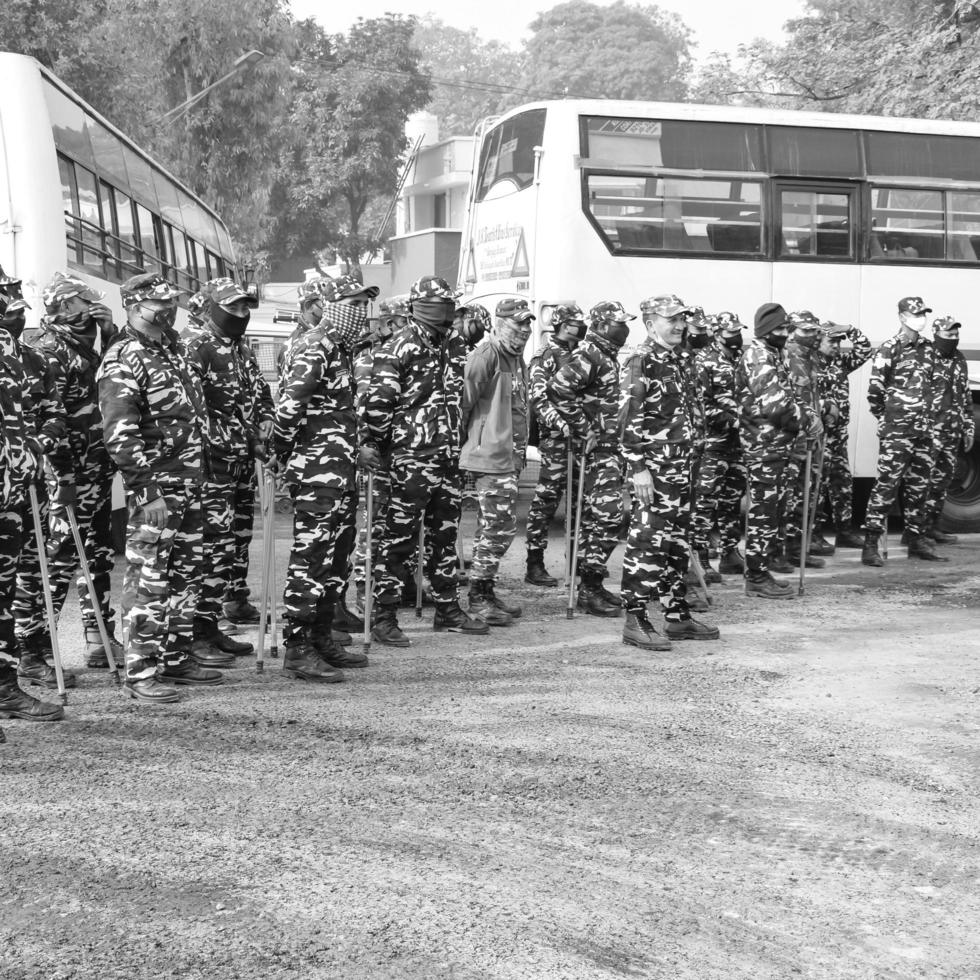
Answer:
(69, 202)
(798, 152)
(179, 253)
(192, 263)
(167, 197)
(71, 136)
(93, 244)
(964, 226)
(673, 214)
(920, 155)
(148, 239)
(111, 245)
(907, 223)
(107, 150)
(140, 179)
(815, 224)
(508, 152)
(128, 237)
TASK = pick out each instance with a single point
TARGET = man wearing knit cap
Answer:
(771, 419)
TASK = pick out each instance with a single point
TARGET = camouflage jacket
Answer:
(770, 413)
(952, 399)
(544, 365)
(586, 389)
(658, 416)
(316, 425)
(75, 366)
(715, 366)
(804, 373)
(18, 448)
(835, 383)
(235, 393)
(900, 393)
(154, 415)
(288, 349)
(42, 407)
(413, 404)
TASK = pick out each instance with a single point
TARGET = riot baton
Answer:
(570, 610)
(569, 504)
(264, 586)
(804, 531)
(817, 484)
(42, 560)
(748, 508)
(270, 496)
(96, 605)
(368, 559)
(418, 567)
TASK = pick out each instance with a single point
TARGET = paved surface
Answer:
(796, 800)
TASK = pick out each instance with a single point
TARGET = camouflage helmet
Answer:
(394, 306)
(147, 285)
(345, 286)
(431, 287)
(65, 286)
(224, 291)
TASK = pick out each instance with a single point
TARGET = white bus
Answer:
(76, 194)
(730, 208)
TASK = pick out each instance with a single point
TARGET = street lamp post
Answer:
(178, 111)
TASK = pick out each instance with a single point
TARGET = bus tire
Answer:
(961, 515)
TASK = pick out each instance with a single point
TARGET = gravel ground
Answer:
(795, 800)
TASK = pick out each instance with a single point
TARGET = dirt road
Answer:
(796, 800)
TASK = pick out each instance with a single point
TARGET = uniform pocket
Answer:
(141, 544)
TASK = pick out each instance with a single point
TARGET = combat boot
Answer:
(34, 668)
(639, 632)
(188, 672)
(613, 598)
(207, 630)
(302, 662)
(780, 563)
(385, 628)
(341, 637)
(483, 607)
(731, 563)
(590, 599)
(345, 619)
(451, 618)
(941, 537)
(205, 654)
(848, 537)
(711, 577)
(95, 655)
(697, 599)
(537, 574)
(150, 691)
(512, 609)
(690, 629)
(762, 585)
(870, 555)
(793, 557)
(921, 547)
(819, 545)
(334, 654)
(240, 611)
(15, 703)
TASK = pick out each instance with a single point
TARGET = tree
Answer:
(348, 117)
(620, 51)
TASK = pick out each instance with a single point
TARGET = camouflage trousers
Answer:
(496, 522)
(221, 551)
(161, 584)
(767, 488)
(10, 542)
(552, 480)
(793, 517)
(242, 523)
(379, 511)
(323, 538)
(946, 451)
(425, 490)
(93, 509)
(656, 560)
(718, 500)
(30, 611)
(602, 510)
(904, 459)
(838, 484)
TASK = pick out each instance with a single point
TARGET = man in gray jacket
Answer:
(495, 423)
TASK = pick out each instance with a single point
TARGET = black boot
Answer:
(870, 555)
(207, 630)
(639, 632)
(731, 563)
(385, 629)
(921, 547)
(793, 556)
(346, 619)
(326, 647)
(95, 655)
(240, 611)
(762, 585)
(711, 577)
(483, 606)
(537, 574)
(450, 618)
(15, 703)
(848, 537)
(590, 599)
(819, 545)
(188, 672)
(302, 662)
(33, 667)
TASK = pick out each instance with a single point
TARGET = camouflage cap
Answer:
(225, 291)
(9, 285)
(313, 289)
(196, 304)
(514, 309)
(346, 286)
(8, 305)
(431, 287)
(394, 306)
(728, 321)
(914, 305)
(945, 323)
(668, 305)
(835, 331)
(475, 311)
(147, 285)
(567, 315)
(64, 286)
(803, 319)
(610, 310)
(697, 319)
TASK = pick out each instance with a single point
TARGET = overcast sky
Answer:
(717, 24)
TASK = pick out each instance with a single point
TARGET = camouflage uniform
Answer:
(552, 445)
(586, 392)
(721, 474)
(953, 412)
(770, 420)
(659, 425)
(902, 399)
(838, 486)
(155, 431)
(235, 404)
(412, 417)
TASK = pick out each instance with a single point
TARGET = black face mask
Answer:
(163, 319)
(698, 340)
(14, 325)
(617, 333)
(808, 341)
(947, 345)
(438, 315)
(733, 343)
(777, 343)
(230, 325)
